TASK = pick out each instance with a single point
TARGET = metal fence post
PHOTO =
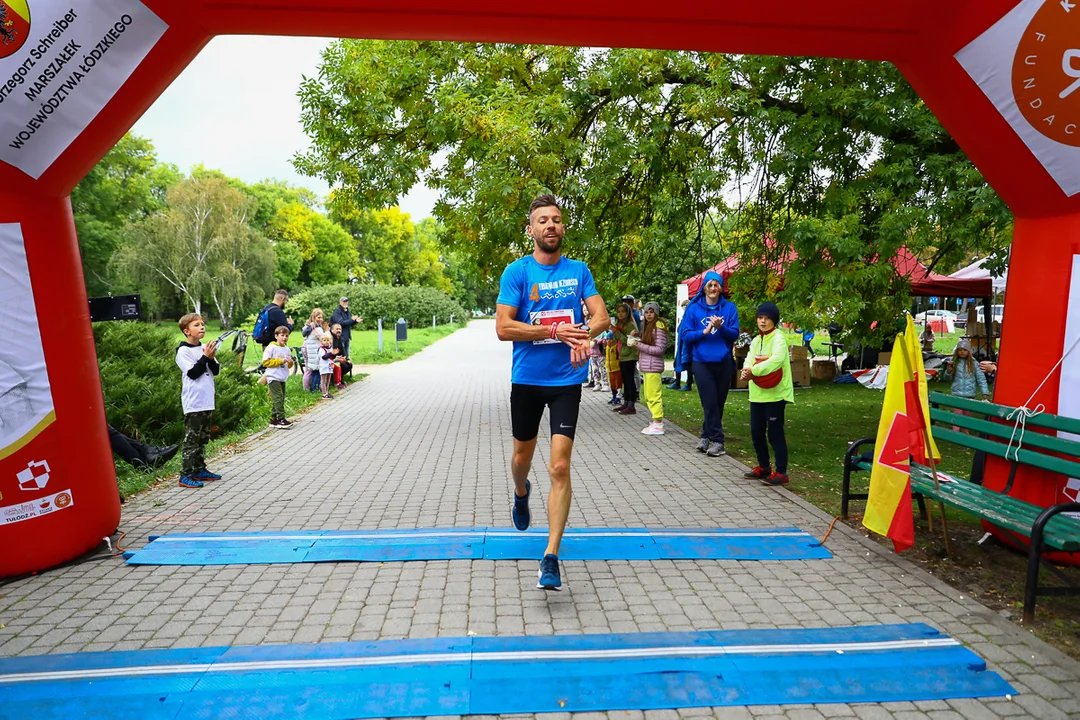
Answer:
(380, 335)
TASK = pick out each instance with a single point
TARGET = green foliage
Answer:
(652, 153)
(335, 255)
(392, 250)
(287, 267)
(141, 383)
(415, 304)
(129, 183)
(200, 246)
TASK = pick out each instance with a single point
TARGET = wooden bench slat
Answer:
(1062, 532)
(1023, 455)
(1046, 420)
(1031, 438)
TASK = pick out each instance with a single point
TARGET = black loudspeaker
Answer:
(115, 307)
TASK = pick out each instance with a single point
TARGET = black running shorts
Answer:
(527, 403)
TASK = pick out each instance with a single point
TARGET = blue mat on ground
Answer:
(498, 675)
(270, 547)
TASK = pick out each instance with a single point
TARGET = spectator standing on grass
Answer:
(652, 346)
(313, 331)
(342, 364)
(346, 320)
(710, 327)
(275, 317)
(277, 359)
(771, 389)
(683, 361)
(326, 364)
(967, 376)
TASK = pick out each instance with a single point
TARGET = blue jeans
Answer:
(713, 382)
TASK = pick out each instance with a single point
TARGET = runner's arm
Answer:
(507, 328)
(599, 320)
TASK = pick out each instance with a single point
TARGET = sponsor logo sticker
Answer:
(19, 512)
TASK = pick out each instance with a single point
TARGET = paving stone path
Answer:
(426, 442)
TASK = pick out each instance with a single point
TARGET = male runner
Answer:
(539, 308)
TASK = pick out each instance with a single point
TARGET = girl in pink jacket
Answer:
(651, 345)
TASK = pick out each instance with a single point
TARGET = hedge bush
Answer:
(141, 384)
(415, 304)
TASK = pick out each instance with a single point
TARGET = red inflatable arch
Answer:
(76, 74)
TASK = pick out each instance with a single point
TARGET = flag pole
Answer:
(929, 452)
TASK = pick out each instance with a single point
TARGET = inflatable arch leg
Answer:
(54, 448)
(1037, 309)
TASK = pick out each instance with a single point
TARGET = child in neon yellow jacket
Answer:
(771, 389)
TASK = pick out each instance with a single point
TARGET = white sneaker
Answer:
(654, 428)
(598, 388)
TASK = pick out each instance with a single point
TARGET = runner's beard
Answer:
(549, 244)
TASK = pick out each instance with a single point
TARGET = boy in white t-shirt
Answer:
(198, 367)
(277, 359)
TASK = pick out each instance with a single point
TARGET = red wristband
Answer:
(554, 328)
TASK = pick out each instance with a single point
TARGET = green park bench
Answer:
(1045, 528)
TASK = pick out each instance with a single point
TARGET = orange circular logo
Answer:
(62, 500)
(14, 26)
(1046, 71)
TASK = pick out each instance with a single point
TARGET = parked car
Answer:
(998, 310)
(922, 317)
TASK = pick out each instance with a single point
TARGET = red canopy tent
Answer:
(924, 283)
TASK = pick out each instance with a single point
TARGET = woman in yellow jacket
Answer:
(770, 390)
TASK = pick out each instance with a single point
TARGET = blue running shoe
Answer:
(519, 513)
(190, 482)
(205, 474)
(549, 574)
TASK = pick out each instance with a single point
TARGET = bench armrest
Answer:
(853, 449)
(846, 496)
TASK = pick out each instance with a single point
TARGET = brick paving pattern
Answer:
(426, 442)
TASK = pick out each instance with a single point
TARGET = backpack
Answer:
(262, 332)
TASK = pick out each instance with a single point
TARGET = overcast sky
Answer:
(235, 109)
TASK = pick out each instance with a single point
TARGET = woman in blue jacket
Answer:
(709, 329)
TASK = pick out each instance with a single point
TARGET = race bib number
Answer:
(549, 318)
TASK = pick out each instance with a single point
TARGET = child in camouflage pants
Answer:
(198, 367)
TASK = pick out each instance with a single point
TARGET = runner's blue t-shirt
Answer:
(546, 295)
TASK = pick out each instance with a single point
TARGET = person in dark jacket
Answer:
(276, 316)
(342, 317)
(139, 454)
(709, 329)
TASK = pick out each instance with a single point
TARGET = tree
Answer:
(200, 246)
(835, 160)
(325, 251)
(335, 257)
(127, 184)
(392, 250)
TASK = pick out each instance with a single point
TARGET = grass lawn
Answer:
(819, 426)
(943, 343)
(364, 349)
(297, 401)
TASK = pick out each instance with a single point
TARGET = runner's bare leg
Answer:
(521, 463)
(559, 497)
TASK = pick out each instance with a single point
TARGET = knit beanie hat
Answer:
(654, 306)
(964, 344)
(769, 310)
